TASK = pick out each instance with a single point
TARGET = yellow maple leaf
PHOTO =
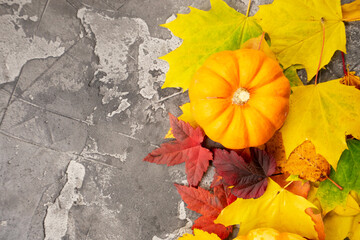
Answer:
(351, 207)
(277, 208)
(186, 116)
(204, 33)
(351, 11)
(343, 221)
(296, 31)
(324, 114)
(268, 233)
(200, 235)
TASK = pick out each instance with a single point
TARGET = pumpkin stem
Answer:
(241, 96)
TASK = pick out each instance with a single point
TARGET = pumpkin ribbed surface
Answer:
(240, 98)
(269, 234)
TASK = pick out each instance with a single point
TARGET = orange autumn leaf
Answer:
(351, 11)
(307, 164)
(319, 224)
(296, 187)
(351, 79)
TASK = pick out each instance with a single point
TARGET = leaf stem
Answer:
(248, 8)
(288, 184)
(322, 49)
(261, 39)
(276, 174)
(337, 185)
(344, 64)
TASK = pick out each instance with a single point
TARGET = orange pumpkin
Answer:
(269, 234)
(240, 98)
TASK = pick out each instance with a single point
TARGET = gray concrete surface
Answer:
(81, 106)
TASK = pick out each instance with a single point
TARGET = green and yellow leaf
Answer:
(204, 33)
(346, 175)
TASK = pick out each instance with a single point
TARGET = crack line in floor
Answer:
(56, 150)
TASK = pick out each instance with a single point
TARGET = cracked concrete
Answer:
(81, 105)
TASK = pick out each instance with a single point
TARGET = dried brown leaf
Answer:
(351, 80)
(307, 164)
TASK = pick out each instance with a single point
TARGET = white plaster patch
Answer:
(90, 119)
(124, 104)
(34, 18)
(111, 94)
(178, 232)
(182, 210)
(56, 219)
(114, 39)
(92, 151)
(16, 49)
(135, 127)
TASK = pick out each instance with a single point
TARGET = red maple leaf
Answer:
(207, 204)
(186, 148)
(222, 192)
(207, 224)
(249, 179)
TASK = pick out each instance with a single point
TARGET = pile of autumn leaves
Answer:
(305, 179)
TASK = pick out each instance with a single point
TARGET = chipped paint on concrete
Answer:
(111, 94)
(124, 104)
(56, 220)
(20, 3)
(208, 178)
(90, 119)
(135, 127)
(181, 231)
(91, 150)
(178, 232)
(103, 209)
(114, 38)
(151, 69)
(16, 49)
(182, 210)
